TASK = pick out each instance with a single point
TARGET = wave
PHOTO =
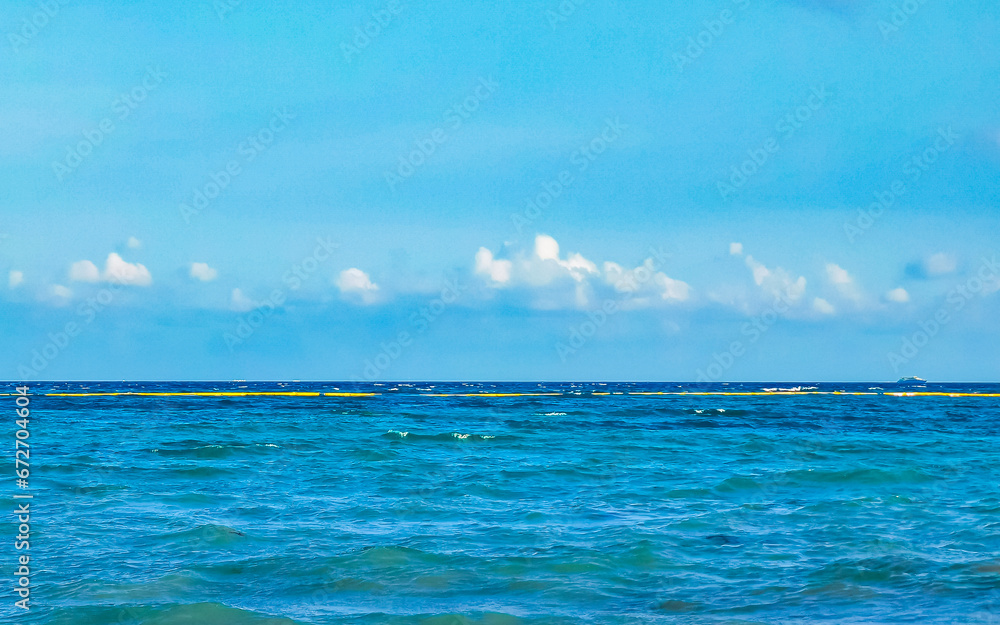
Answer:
(796, 478)
(201, 451)
(451, 436)
(213, 535)
(872, 571)
(729, 412)
(96, 490)
(197, 613)
(857, 476)
(201, 472)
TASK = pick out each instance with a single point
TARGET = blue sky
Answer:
(728, 190)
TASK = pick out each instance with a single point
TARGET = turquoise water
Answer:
(404, 508)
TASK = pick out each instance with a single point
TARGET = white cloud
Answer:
(844, 283)
(134, 243)
(898, 295)
(201, 271)
(61, 293)
(624, 280)
(644, 277)
(759, 271)
(823, 306)
(117, 270)
(354, 279)
(736, 249)
(497, 270)
(940, 264)
(837, 275)
(355, 282)
(540, 267)
(15, 278)
(547, 249)
(556, 281)
(777, 283)
(84, 271)
(578, 266)
(673, 289)
(239, 302)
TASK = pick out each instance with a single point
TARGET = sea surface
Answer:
(504, 504)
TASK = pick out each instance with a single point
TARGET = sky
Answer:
(733, 190)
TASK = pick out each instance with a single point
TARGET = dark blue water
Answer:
(592, 505)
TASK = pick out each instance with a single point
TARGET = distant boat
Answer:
(911, 381)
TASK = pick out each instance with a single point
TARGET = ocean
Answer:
(504, 504)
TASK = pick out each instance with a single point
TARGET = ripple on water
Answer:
(195, 614)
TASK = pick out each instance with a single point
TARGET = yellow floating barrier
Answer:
(492, 394)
